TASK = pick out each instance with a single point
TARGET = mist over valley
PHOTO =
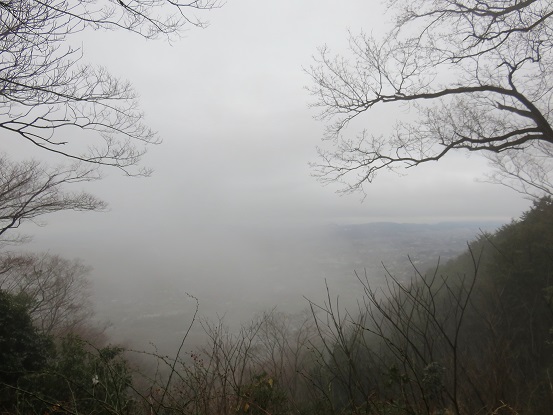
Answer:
(256, 271)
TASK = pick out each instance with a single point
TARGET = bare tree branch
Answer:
(475, 76)
(29, 190)
(46, 91)
(58, 290)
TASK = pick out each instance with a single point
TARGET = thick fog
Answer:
(232, 214)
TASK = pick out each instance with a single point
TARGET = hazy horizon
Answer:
(231, 106)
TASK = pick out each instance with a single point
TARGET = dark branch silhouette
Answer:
(476, 76)
(29, 190)
(50, 98)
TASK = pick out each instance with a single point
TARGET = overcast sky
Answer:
(230, 104)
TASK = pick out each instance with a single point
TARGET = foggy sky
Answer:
(230, 104)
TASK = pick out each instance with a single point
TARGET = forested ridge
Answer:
(471, 336)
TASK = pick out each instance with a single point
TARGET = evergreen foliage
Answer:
(23, 349)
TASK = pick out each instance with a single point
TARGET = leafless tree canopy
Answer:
(57, 289)
(48, 96)
(29, 190)
(476, 75)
